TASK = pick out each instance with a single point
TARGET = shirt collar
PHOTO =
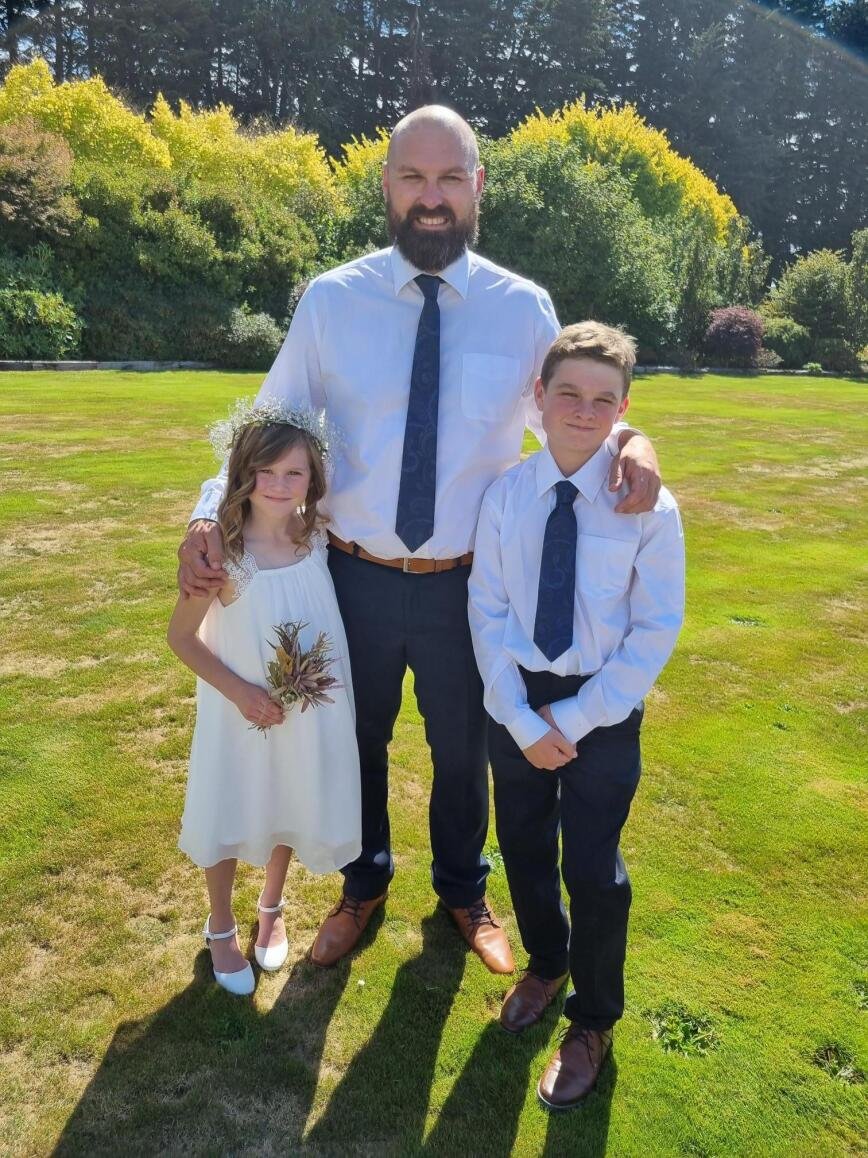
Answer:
(587, 480)
(456, 275)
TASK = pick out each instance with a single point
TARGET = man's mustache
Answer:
(440, 211)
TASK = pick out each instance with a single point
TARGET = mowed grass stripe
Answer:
(745, 842)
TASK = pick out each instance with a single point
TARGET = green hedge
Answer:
(182, 235)
(788, 339)
(34, 324)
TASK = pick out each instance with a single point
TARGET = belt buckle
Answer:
(405, 566)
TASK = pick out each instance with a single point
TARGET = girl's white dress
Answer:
(297, 784)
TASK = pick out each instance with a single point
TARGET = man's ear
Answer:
(384, 180)
(625, 403)
(480, 181)
(539, 393)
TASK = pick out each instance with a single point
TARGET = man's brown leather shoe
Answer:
(340, 931)
(528, 1000)
(481, 931)
(573, 1071)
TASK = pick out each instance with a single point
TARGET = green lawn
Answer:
(745, 843)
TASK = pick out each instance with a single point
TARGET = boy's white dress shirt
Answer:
(350, 349)
(629, 602)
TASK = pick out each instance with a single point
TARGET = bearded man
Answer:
(425, 355)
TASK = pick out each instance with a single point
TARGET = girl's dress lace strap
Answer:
(319, 541)
(241, 572)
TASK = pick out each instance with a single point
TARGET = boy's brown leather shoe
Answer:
(483, 933)
(573, 1071)
(528, 1000)
(342, 928)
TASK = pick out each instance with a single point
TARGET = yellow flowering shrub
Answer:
(95, 124)
(285, 166)
(591, 171)
(362, 160)
(664, 182)
(24, 84)
(360, 223)
(286, 162)
(185, 215)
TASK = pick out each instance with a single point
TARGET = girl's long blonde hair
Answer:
(256, 447)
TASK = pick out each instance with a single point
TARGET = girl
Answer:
(251, 795)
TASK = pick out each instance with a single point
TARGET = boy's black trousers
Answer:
(587, 802)
(394, 621)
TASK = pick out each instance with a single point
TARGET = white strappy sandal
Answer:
(271, 957)
(241, 982)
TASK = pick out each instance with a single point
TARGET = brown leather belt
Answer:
(408, 566)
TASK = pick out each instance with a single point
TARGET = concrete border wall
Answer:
(149, 366)
(146, 365)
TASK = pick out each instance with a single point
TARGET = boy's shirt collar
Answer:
(456, 275)
(587, 480)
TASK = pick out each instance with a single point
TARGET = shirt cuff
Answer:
(570, 719)
(206, 508)
(527, 728)
(617, 431)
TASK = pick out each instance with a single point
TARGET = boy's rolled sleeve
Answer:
(656, 615)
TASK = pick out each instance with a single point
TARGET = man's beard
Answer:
(434, 250)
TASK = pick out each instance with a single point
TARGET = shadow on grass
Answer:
(385, 1090)
(481, 1115)
(209, 1072)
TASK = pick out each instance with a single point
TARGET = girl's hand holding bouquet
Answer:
(256, 706)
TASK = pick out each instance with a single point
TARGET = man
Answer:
(425, 356)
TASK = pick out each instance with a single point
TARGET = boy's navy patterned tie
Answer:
(414, 522)
(553, 628)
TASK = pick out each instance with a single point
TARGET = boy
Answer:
(574, 610)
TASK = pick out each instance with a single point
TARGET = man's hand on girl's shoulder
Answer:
(201, 559)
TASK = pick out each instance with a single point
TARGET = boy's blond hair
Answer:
(592, 340)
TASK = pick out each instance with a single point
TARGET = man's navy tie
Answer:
(553, 628)
(414, 522)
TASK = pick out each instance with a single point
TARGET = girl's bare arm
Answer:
(253, 702)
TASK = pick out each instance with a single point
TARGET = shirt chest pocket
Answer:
(604, 566)
(490, 386)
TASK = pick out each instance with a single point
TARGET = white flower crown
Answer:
(224, 434)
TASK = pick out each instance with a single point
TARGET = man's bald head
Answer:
(436, 117)
(432, 182)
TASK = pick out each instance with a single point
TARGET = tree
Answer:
(790, 341)
(734, 336)
(848, 22)
(13, 22)
(822, 294)
(35, 177)
(811, 12)
(813, 292)
(857, 288)
(578, 229)
(498, 62)
(772, 114)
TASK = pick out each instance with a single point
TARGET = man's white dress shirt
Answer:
(629, 601)
(350, 349)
